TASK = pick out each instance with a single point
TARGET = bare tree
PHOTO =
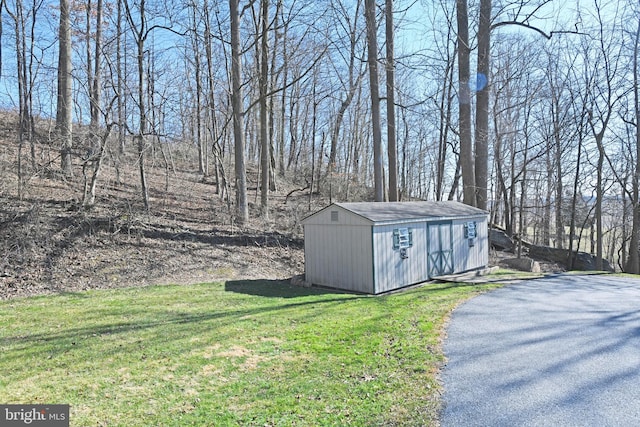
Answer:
(265, 144)
(444, 104)
(196, 42)
(467, 163)
(482, 104)
(94, 159)
(354, 73)
(578, 100)
(92, 166)
(603, 98)
(242, 206)
(65, 80)
(517, 142)
(391, 107)
(372, 61)
(282, 37)
(478, 184)
(120, 83)
(140, 34)
(17, 15)
(94, 73)
(559, 132)
(216, 134)
(632, 264)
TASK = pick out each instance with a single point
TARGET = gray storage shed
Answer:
(378, 247)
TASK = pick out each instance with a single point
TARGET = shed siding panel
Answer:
(339, 257)
(470, 257)
(393, 272)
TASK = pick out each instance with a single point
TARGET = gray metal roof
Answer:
(399, 211)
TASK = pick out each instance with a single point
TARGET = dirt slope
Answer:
(49, 243)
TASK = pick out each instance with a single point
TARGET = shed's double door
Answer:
(440, 248)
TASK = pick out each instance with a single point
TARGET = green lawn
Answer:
(259, 353)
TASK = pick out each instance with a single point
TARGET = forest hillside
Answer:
(526, 109)
(50, 243)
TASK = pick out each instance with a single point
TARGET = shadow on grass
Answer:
(433, 286)
(284, 288)
(444, 285)
(277, 289)
(169, 322)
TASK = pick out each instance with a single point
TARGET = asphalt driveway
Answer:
(560, 351)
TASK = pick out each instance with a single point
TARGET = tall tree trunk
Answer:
(217, 151)
(482, 104)
(21, 67)
(142, 126)
(444, 107)
(242, 206)
(556, 162)
(559, 192)
(599, 198)
(31, 80)
(354, 78)
(546, 209)
(456, 180)
(335, 134)
(603, 99)
(313, 142)
(120, 86)
(93, 162)
(464, 100)
(574, 197)
(265, 144)
(391, 108)
(633, 261)
(271, 104)
(404, 193)
(202, 146)
(64, 98)
(372, 61)
(94, 67)
(522, 228)
(140, 35)
(90, 183)
(294, 109)
(283, 96)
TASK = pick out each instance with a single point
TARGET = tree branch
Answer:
(536, 29)
(291, 83)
